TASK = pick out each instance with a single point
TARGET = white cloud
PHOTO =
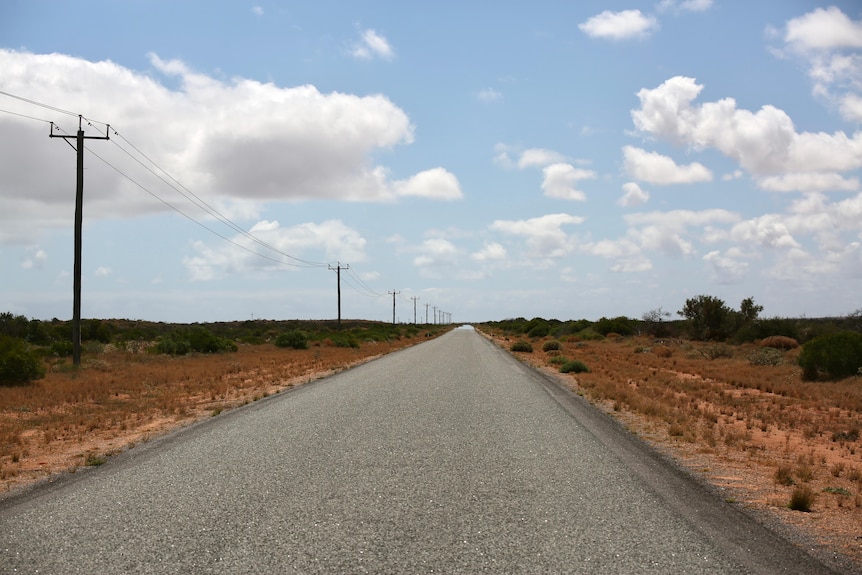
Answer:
(330, 240)
(233, 143)
(764, 143)
(257, 10)
(436, 252)
(634, 195)
(768, 231)
(829, 42)
(626, 252)
(491, 251)
(685, 6)
(102, 271)
(809, 182)
(372, 45)
(619, 25)
(539, 158)
(824, 28)
(725, 269)
(544, 235)
(561, 180)
(488, 95)
(655, 168)
(436, 184)
(668, 232)
(36, 261)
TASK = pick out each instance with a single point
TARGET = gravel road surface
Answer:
(447, 457)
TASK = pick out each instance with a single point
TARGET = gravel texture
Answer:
(447, 457)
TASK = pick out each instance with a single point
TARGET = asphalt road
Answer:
(447, 457)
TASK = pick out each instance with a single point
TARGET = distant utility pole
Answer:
(394, 293)
(427, 305)
(79, 218)
(435, 314)
(337, 269)
(414, 298)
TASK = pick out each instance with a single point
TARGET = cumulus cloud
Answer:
(768, 231)
(436, 252)
(435, 184)
(655, 168)
(764, 143)
(233, 142)
(668, 232)
(830, 44)
(492, 251)
(539, 158)
(622, 25)
(725, 268)
(330, 240)
(634, 195)
(561, 180)
(544, 235)
(372, 45)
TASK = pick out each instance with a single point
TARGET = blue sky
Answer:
(494, 160)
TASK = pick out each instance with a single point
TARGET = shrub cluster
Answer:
(193, 339)
(19, 364)
(294, 339)
(551, 345)
(833, 356)
(522, 345)
(574, 366)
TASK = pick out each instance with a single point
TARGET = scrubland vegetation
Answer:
(768, 409)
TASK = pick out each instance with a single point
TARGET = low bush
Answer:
(193, 339)
(552, 345)
(522, 345)
(767, 356)
(19, 364)
(574, 366)
(802, 499)
(833, 356)
(294, 339)
(779, 342)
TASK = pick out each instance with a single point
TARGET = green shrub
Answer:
(574, 366)
(522, 345)
(193, 339)
(19, 364)
(557, 360)
(552, 345)
(620, 325)
(539, 330)
(832, 356)
(294, 339)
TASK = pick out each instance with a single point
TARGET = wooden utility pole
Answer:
(414, 298)
(394, 293)
(338, 269)
(79, 219)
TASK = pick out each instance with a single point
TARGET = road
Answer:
(447, 457)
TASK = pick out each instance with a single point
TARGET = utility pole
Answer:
(337, 269)
(435, 314)
(414, 298)
(427, 305)
(394, 293)
(79, 219)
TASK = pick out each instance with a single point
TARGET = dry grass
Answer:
(758, 431)
(74, 417)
